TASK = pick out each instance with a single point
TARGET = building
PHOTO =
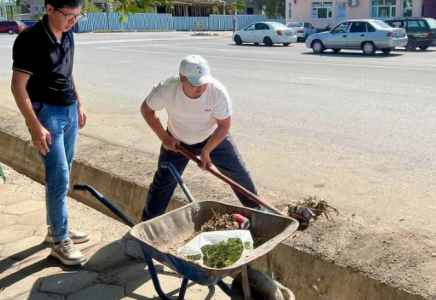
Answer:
(324, 14)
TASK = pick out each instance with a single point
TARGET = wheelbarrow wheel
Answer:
(261, 285)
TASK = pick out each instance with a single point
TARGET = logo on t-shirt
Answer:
(208, 109)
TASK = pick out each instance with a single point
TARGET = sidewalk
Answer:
(115, 269)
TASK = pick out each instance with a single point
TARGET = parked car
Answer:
(12, 27)
(420, 31)
(367, 34)
(302, 29)
(268, 33)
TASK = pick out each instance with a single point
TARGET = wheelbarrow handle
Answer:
(179, 179)
(230, 182)
(104, 201)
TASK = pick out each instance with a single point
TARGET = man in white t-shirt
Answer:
(199, 118)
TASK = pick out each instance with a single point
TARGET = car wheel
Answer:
(286, 44)
(10, 31)
(368, 48)
(267, 41)
(318, 46)
(337, 50)
(238, 40)
(411, 44)
(386, 51)
(424, 47)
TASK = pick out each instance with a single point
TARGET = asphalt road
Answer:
(356, 130)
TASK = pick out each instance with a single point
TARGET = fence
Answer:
(165, 22)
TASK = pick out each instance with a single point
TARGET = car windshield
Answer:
(431, 23)
(295, 24)
(380, 24)
(20, 23)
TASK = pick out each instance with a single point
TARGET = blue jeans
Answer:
(226, 159)
(62, 123)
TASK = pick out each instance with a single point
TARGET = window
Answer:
(341, 28)
(289, 10)
(261, 26)
(251, 27)
(383, 8)
(250, 10)
(358, 27)
(416, 25)
(321, 10)
(396, 24)
(407, 8)
(294, 24)
(370, 27)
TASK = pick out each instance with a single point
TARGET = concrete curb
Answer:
(308, 276)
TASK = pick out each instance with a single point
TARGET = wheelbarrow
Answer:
(159, 238)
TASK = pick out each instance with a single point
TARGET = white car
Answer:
(268, 33)
(302, 29)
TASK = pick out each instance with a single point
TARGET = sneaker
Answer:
(76, 236)
(67, 253)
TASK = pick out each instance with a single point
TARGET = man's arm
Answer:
(80, 111)
(152, 119)
(215, 139)
(41, 138)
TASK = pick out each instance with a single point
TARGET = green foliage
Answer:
(89, 7)
(274, 9)
(235, 5)
(223, 254)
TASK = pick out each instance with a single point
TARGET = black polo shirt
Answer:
(37, 52)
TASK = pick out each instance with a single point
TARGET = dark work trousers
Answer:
(225, 157)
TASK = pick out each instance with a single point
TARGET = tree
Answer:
(235, 5)
(90, 7)
(273, 9)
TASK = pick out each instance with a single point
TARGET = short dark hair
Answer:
(64, 3)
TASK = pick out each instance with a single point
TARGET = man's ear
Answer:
(49, 9)
(182, 78)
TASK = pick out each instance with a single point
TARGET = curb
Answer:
(308, 276)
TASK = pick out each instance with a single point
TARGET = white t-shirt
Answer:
(190, 120)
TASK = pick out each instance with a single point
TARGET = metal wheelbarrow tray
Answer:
(160, 237)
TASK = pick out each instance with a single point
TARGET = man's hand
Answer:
(170, 143)
(205, 160)
(82, 117)
(41, 138)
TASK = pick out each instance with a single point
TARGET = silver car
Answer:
(368, 35)
(302, 29)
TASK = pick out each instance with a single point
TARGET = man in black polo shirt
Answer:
(45, 93)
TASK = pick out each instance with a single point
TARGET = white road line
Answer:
(278, 61)
(138, 40)
(122, 61)
(312, 78)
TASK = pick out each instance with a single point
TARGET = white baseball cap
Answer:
(196, 69)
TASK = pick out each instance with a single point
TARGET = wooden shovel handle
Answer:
(230, 182)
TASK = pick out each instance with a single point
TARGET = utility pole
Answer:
(108, 16)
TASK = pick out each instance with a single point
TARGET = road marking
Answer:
(277, 61)
(138, 40)
(122, 61)
(312, 78)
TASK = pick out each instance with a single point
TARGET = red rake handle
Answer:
(230, 182)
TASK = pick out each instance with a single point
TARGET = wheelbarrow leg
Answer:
(183, 288)
(156, 282)
(154, 277)
(225, 288)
